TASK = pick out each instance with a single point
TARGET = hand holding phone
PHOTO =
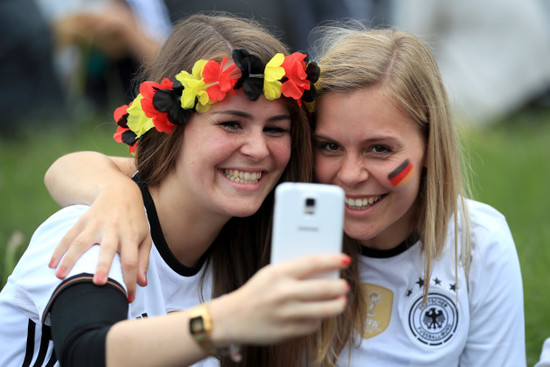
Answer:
(308, 220)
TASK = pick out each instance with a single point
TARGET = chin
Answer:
(245, 211)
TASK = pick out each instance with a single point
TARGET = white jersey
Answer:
(544, 355)
(24, 325)
(479, 322)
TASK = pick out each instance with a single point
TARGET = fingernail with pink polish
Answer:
(60, 271)
(99, 277)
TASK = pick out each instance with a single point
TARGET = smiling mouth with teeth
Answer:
(359, 204)
(242, 176)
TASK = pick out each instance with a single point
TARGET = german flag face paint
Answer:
(402, 174)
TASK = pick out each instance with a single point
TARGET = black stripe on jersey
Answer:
(52, 360)
(384, 254)
(75, 279)
(158, 237)
(45, 342)
(30, 344)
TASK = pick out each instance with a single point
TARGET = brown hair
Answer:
(243, 244)
(355, 57)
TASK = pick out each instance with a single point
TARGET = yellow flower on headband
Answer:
(194, 88)
(137, 121)
(273, 73)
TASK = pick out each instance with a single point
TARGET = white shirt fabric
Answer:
(544, 355)
(29, 289)
(479, 322)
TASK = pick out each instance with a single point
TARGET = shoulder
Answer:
(484, 216)
(50, 232)
(493, 248)
(65, 217)
(488, 227)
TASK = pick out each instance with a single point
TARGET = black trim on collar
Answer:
(382, 254)
(158, 236)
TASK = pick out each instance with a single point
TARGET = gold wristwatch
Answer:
(200, 328)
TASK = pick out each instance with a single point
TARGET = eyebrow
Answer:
(247, 115)
(369, 140)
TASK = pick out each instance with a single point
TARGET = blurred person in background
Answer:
(30, 92)
(291, 20)
(494, 55)
(100, 44)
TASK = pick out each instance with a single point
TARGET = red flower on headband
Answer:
(123, 134)
(295, 72)
(222, 80)
(160, 119)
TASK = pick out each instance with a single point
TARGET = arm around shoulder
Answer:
(77, 178)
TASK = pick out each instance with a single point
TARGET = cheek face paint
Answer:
(402, 174)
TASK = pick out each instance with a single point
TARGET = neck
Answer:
(395, 234)
(188, 230)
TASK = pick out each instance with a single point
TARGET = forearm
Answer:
(156, 341)
(167, 340)
(77, 178)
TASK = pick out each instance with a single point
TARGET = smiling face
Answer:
(362, 144)
(232, 156)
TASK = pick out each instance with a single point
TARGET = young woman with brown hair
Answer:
(216, 126)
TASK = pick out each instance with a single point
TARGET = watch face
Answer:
(196, 325)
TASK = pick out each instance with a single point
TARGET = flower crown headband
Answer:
(162, 106)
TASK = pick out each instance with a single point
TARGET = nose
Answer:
(255, 146)
(353, 171)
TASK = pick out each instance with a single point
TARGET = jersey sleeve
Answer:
(82, 314)
(497, 327)
(33, 282)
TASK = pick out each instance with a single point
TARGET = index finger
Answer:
(315, 265)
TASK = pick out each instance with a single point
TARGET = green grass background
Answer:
(510, 170)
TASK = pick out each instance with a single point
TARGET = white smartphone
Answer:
(308, 220)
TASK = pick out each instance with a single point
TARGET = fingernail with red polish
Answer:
(50, 265)
(346, 260)
(130, 299)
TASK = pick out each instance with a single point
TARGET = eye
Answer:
(381, 149)
(275, 130)
(328, 147)
(230, 125)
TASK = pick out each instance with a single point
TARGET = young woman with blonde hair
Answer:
(440, 272)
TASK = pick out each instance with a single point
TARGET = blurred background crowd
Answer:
(60, 59)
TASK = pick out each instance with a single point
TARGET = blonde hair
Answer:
(354, 57)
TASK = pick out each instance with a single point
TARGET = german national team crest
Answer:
(380, 301)
(435, 322)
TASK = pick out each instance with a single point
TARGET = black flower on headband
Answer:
(313, 72)
(168, 100)
(252, 77)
